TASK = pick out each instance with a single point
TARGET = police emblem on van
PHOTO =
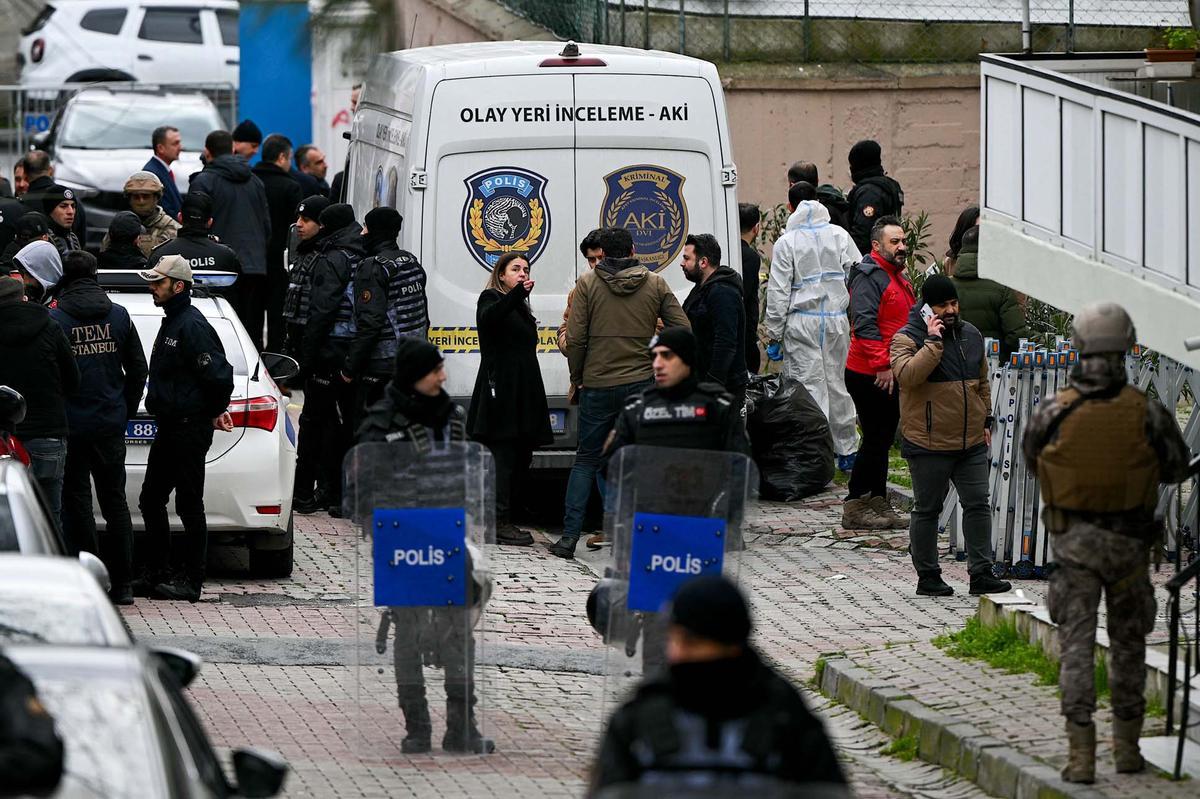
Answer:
(647, 201)
(505, 212)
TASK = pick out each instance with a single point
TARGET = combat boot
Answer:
(1081, 753)
(1126, 754)
(884, 509)
(418, 727)
(985, 583)
(565, 547)
(857, 514)
(461, 733)
(511, 535)
(930, 583)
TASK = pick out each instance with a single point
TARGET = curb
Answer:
(993, 765)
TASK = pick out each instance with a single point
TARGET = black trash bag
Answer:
(789, 438)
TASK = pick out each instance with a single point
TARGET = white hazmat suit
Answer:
(806, 313)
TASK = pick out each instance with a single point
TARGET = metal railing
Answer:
(1177, 623)
(867, 31)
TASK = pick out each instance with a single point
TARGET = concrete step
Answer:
(1161, 752)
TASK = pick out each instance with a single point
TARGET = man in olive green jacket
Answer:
(945, 423)
(614, 313)
(990, 306)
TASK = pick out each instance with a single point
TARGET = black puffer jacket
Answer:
(36, 360)
(189, 375)
(718, 318)
(324, 348)
(125, 255)
(108, 352)
(240, 216)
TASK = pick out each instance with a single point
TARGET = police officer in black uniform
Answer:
(189, 390)
(309, 236)
(679, 410)
(193, 241)
(417, 410)
(31, 753)
(875, 194)
(328, 332)
(388, 294)
(719, 722)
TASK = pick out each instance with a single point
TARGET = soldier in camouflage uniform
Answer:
(1101, 448)
(144, 192)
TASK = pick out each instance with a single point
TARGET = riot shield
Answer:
(672, 515)
(423, 516)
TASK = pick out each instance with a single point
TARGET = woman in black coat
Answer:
(508, 407)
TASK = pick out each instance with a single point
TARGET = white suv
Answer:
(154, 41)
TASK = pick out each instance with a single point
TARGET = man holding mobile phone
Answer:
(946, 420)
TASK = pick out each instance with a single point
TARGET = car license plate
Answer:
(140, 431)
(558, 422)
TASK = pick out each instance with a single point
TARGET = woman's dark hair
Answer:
(966, 221)
(501, 267)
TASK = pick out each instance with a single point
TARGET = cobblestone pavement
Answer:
(1012, 708)
(275, 652)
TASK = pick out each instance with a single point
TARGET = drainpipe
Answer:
(1026, 28)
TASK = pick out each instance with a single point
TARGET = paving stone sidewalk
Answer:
(1011, 708)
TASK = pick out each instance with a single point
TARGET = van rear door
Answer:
(501, 178)
(649, 160)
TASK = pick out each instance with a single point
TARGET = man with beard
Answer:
(143, 191)
(123, 250)
(389, 302)
(189, 390)
(880, 300)
(718, 317)
(946, 423)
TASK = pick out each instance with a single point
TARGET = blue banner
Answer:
(420, 557)
(667, 552)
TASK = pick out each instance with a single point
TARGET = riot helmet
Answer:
(1102, 327)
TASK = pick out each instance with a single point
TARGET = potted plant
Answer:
(1177, 57)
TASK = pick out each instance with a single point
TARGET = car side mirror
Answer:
(183, 664)
(258, 772)
(280, 367)
(97, 569)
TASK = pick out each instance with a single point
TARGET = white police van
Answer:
(492, 147)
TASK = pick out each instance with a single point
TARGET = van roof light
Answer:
(569, 57)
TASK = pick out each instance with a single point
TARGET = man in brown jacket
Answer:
(614, 313)
(945, 423)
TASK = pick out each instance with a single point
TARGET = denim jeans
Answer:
(47, 463)
(598, 411)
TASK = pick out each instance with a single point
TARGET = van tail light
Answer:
(260, 412)
(572, 62)
(37, 50)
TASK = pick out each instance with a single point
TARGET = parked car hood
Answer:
(107, 170)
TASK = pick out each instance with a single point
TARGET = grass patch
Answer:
(818, 672)
(841, 478)
(1155, 709)
(1001, 647)
(902, 748)
(1102, 687)
(898, 469)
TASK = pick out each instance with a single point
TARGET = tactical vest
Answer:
(1100, 461)
(698, 421)
(299, 290)
(406, 313)
(343, 320)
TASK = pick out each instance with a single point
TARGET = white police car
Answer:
(249, 471)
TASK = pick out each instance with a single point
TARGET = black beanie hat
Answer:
(713, 608)
(938, 289)
(415, 358)
(125, 227)
(678, 340)
(865, 154)
(53, 195)
(32, 225)
(383, 223)
(247, 131)
(312, 207)
(337, 216)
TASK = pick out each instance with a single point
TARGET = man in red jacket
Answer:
(880, 300)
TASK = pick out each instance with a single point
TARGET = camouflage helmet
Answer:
(144, 181)
(1102, 327)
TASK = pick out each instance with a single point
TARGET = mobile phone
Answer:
(926, 312)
